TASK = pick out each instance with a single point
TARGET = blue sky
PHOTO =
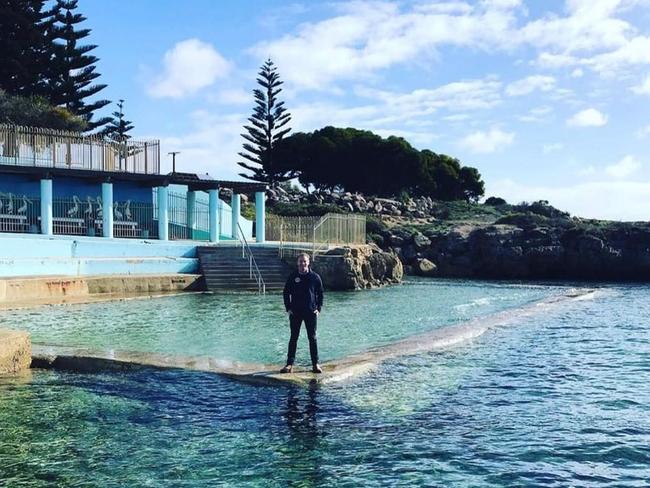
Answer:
(549, 99)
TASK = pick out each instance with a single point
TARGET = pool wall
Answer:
(36, 255)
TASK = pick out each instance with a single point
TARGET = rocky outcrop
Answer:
(569, 249)
(419, 207)
(357, 267)
(15, 351)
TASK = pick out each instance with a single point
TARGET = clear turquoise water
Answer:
(560, 399)
(255, 328)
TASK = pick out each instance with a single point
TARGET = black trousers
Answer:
(295, 321)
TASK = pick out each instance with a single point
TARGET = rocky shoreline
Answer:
(493, 240)
(525, 250)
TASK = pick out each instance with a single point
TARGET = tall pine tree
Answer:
(268, 127)
(23, 46)
(118, 128)
(72, 68)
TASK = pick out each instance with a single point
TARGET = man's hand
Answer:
(290, 312)
(317, 313)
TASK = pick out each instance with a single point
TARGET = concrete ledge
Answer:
(50, 290)
(15, 351)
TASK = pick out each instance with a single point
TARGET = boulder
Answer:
(424, 267)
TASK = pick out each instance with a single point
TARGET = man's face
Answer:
(303, 264)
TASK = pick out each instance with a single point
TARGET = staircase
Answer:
(224, 269)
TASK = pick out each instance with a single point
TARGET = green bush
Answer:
(375, 225)
(304, 209)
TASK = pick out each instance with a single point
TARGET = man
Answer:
(303, 299)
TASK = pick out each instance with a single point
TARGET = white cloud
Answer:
(643, 132)
(487, 142)
(537, 114)
(548, 148)
(577, 73)
(588, 118)
(615, 200)
(209, 146)
(370, 36)
(624, 168)
(530, 84)
(643, 88)
(232, 96)
(187, 67)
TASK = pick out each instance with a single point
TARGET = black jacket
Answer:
(303, 293)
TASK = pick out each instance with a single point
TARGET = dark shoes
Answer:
(289, 368)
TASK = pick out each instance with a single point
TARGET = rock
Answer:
(357, 267)
(395, 240)
(421, 241)
(15, 351)
(424, 267)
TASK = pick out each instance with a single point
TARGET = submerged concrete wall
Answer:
(19, 292)
(15, 351)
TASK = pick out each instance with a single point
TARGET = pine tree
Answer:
(266, 130)
(23, 46)
(73, 69)
(118, 127)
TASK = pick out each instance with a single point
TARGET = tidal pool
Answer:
(248, 327)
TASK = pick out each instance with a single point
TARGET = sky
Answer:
(549, 99)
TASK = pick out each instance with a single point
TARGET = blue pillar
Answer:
(235, 204)
(260, 216)
(214, 215)
(163, 214)
(47, 227)
(107, 209)
(191, 214)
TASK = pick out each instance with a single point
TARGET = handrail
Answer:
(261, 285)
(322, 220)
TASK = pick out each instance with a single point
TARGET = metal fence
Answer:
(29, 146)
(331, 228)
(19, 213)
(290, 229)
(341, 229)
(73, 216)
(179, 219)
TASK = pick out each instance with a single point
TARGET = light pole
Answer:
(174, 153)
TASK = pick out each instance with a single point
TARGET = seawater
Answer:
(557, 399)
(254, 328)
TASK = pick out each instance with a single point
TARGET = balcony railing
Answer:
(46, 148)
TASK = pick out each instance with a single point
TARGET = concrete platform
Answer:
(15, 351)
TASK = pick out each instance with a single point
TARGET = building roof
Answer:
(193, 181)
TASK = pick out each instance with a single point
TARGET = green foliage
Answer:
(375, 225)
(248, 210)
(119, 127)
(71, 73)
(304, 209)
(267, 129)
(37, 112)
(23, 46)
(360, 161)
(42, 56)
(541, 207)
(495, 201)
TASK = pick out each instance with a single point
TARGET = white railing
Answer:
(253, 269)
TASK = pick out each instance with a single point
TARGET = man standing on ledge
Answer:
(303, 299)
